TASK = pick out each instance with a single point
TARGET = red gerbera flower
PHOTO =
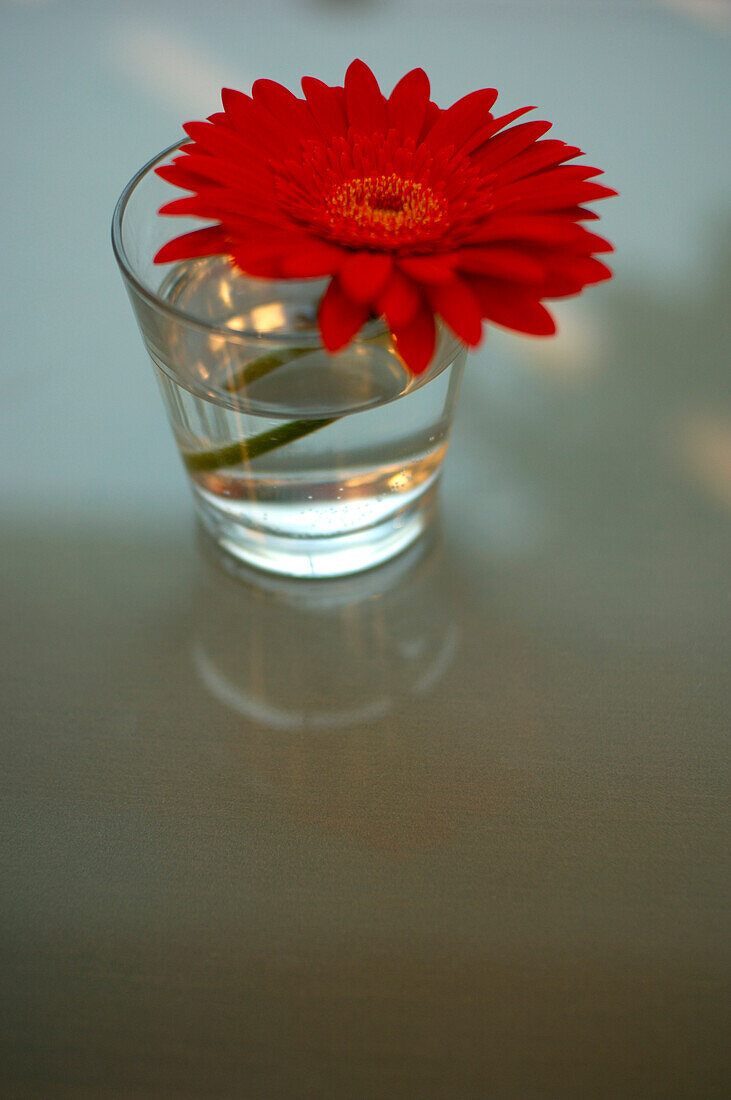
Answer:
(413, 210)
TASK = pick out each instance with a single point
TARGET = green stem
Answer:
(244, 376)
(247, 449)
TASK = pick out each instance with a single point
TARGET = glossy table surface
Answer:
(457, 827)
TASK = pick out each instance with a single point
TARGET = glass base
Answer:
(319, 556)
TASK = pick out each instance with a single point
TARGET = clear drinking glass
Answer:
(301, 462)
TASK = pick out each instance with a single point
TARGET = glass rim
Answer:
(371, 329)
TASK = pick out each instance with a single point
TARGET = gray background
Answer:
(456, 828)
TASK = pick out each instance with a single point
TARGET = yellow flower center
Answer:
(385, 205)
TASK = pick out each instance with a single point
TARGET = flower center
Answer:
(385, 208)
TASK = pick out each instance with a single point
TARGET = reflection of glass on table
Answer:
(327, 654)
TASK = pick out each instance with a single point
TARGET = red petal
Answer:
(180, 177)
(577, 171)
(512, 307)
(214, 140)
(252, 231)
(190, 205)
(263, 261)
(501, 148)
(548, 178)
(327, 106)
(560, 286)
(577, 214)
(415, 342)
(399, 302)
(574, 240)
(504, 263)
(408, 102)
(540, 228)
(431, 116)
(233, 175)
(211, 137)
(500, 123)
(364, 274)
(232, 101)
(583, 269)
(340, 318)
(209, 241)
(594, 243)
(426, 269)
(550, 199)
(284, 106)
(568, 274)
(458, 123)
(542, 155)
(311, 260)
(257, 127)
(221, 202)
(364, 101)
(460, 309)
